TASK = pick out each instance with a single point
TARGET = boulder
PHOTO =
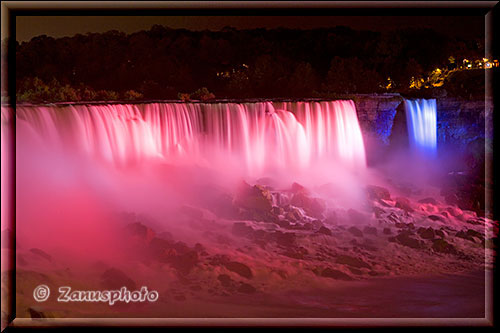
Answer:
(378, 211)
(426, 233)
(439, 233)
(404, 238)
(246, 288)
(442, 246)
(435, 218)
(284, 238)
(254, 198)
(185, 262)
(239, 268)
(297, 188)
(404, 204)
(140, 232)
(377, 192)
(370, 230)
(335, 274)
(313, 206)
(355, 231)
(225, 280)
(325, 231)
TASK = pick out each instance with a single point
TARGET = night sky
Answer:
(28, 27)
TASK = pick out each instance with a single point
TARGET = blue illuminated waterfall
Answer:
(421, 117)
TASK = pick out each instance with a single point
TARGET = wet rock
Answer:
(435, 218)
(426, 233)
(241, 229)
(442, 246)
(405, 239)
(404, 204)
(455, 212)
(335, 274)
(378, 192)
(225, 280)
(239, 268)
(313, 206)
(383, 203)
(307, 226)
(284, 238)
(185, 262)
(324, 231)
(290, 216)
(114, 278)
(283, 223)
(378, 211)
(351, 261)
(140, 231)
(297, 188)
(355, 231)
(259, 234)
(246, 288)
(41, 253)
(254, 198)
(387, 231)
(462, 234)
(354, 270)
(161, 249)
(429, 200)
(278, 210)
(400, 225)
(370, 230)
(474, 233)
(439, 233)
(298, 253)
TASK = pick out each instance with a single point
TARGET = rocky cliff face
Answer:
(459, 121)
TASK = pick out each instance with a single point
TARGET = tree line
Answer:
(164, 63)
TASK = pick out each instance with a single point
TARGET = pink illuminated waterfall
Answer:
(259, 136)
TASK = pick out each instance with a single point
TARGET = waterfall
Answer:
(421, 118)
(260, 136)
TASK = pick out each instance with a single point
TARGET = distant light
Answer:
(488, 65)
(469, 65)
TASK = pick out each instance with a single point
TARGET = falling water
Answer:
(261, 136)
(421, 118)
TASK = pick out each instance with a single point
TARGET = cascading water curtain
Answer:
(421, 118)
(261, 136)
